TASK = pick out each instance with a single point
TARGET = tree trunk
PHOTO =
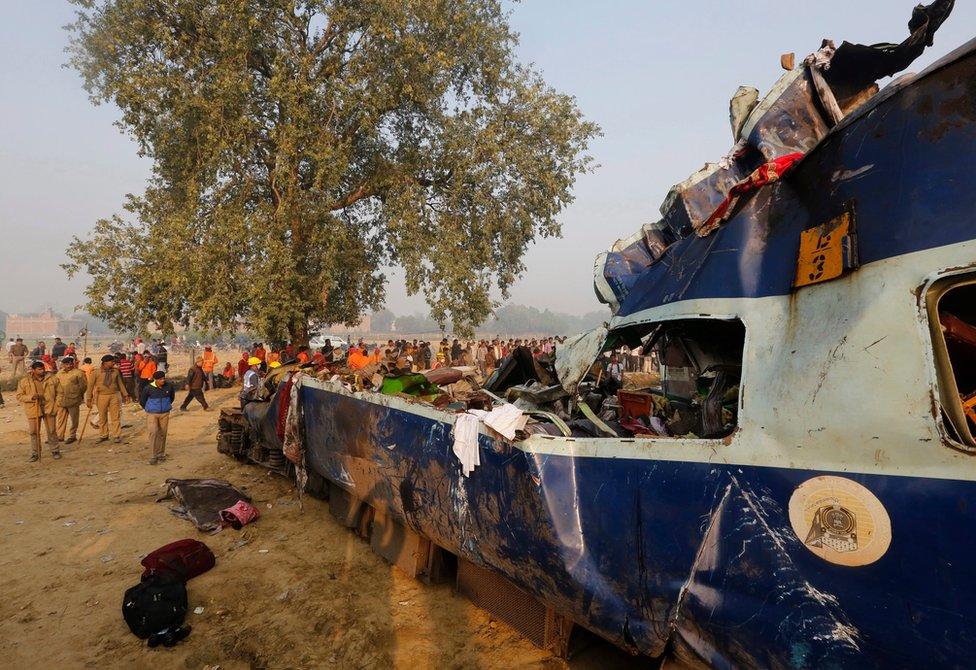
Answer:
(298, 332)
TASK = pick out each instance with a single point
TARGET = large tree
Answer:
(298, 148)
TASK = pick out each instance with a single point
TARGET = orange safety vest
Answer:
(148, 370)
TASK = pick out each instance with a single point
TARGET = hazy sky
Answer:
(657, 76)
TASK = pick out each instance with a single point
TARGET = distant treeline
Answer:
(508, 320)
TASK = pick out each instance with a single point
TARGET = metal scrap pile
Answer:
(770, 137)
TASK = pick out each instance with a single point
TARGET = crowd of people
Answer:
(55, 384)
(416, 355)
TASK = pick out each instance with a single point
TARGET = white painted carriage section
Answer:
(838, 377)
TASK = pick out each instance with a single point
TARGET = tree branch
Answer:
(362, 191)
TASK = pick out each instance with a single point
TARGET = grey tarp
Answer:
(200, 500)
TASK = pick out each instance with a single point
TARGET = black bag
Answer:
(154, 605)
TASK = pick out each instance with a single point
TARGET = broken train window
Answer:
(951, 305)
(688, 383)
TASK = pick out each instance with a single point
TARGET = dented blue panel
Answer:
(644, 552)
(902, 166)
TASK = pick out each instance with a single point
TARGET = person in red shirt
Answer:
(48, 363)
(242, 365)
(303, 356)
(261, 354)
(127, 369)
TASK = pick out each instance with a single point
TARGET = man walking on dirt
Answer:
(70, 386)
(195, 380)
(157, 399)
(37, 394)
(104, 390)
(18, 353)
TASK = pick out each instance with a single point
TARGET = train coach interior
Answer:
(680, 379)
(951, 305)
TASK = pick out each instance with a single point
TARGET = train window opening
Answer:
(952, 314)
(677, 379)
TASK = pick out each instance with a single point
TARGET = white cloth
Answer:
(466, 442)
(506, 419)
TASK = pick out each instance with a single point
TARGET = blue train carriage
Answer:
(822, 521)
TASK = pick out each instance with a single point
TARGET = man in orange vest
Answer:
(356, 360)
(209, 362)
(147, 370)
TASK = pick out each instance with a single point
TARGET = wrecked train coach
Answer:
(825, 271)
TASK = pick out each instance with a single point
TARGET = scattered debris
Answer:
(201, 500)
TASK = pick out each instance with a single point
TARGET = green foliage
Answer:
(299, 147)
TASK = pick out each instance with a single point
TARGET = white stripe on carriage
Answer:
(839, 377)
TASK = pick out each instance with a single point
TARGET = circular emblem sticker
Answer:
(840, 521)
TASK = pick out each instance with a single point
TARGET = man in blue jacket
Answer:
(157, 399)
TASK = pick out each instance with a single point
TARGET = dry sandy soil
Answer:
(293, 590)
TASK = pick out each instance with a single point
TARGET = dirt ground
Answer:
(293, 590)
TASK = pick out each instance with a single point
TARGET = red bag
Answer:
(239, 515)
(183, 559)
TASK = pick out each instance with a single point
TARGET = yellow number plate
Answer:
(824, 252)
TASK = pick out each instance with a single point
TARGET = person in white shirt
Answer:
(615, 369)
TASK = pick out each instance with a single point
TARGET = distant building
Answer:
(46, 324)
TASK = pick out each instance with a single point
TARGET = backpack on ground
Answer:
(182, 560)
(156, 604)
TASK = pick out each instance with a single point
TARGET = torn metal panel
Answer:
(615, 270)
(791, 121)
(743, 101)
(912, 135)
(576, 355)
(691, 202)
(858, 65)
(794, 117)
